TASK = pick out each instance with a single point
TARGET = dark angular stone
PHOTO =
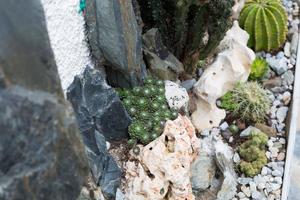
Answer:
(98, 106)
(113, 33)
(99, 113)
(41, 153)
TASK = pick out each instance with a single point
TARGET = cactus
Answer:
(259, 68)
(266, 23)
(252, 153)
(184, 25)
(148, 107)
(249, 101)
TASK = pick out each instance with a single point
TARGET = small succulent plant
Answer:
(252, 153)
(149, 110)
(259, 68)
(266, 23)
(248, 101)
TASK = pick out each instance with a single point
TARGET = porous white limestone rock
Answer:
(162, 169)
(231, 66)
(176, 95)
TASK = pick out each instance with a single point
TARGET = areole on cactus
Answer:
(266, 23)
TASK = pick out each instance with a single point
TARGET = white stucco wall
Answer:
(66, 31)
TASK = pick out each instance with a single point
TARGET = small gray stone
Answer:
(247, 131)
(224, 126)
(244, 181)
(287, 49)
(294, 42)
(277, 173)
(279, 64)
(281, 113)
(188, 84)
(288, 78)
(236, 158)
(257, 196)
(246, 190)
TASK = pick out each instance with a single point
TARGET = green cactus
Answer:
(149, 110)
(248, 101)
(252, 153)
(266, 23)
(259, 68)
(185, 25)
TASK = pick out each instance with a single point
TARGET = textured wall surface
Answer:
(66, 31)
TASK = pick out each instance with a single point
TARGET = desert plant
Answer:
(252, 153)
(248, 101)
(191, 29)
(149, 110)
(259, 68)
(266, 23)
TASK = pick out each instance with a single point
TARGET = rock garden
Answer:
(180, 100)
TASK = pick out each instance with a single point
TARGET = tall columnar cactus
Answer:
(191, 29)
(266, 23)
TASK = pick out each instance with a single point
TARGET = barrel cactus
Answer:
(266, 23)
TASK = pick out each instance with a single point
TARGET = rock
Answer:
(282, 113)
(120, 195)
(176, 95)
(270, 131)
(288, 77)
(294, 43)
(162, 63)
(115, 35)
(203, 169)
(99, 113)
(224, 154)
(247, 131)
(224, 126)
(41, 152)
(287, 49)
(237, 8)
(97, 105)
(286, 97)
(236, 158)
(278, 64)
(272, 83)
(257, 195)
(277, 173)
(164, 165)
(281, 156)
(246, 190)
(207, 115)
(232, 65)
(244, 181)
(188, 84)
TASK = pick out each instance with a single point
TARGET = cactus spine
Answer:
(266, 23)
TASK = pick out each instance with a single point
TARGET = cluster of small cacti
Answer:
(149, 110)
(259, 68)
(266, 23)
(191, 29)
(252, 153)
(248, 101)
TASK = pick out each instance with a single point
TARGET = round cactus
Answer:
(147, 105)
(266, 23)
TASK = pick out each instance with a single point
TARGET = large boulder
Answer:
(232, 65)
(41, 153)
(163, 167)
(101, 116)
(113, 32)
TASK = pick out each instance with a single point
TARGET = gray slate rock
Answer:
(100, 113)
(162, 63)
(98, 106)
(41, 153)
(114, 34)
